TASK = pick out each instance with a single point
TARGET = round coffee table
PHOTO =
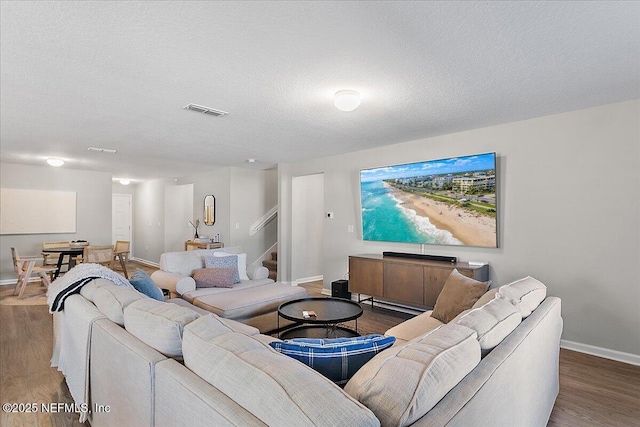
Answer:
(329, 313)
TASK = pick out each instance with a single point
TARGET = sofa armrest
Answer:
(175, 282)
(257, 272)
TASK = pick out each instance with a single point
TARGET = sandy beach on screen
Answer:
(471, 228)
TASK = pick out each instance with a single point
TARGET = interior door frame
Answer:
(130, 197)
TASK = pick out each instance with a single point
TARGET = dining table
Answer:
(63, 251)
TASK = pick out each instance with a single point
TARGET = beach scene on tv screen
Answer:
(449, 202)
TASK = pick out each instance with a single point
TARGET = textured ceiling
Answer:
(117, 74)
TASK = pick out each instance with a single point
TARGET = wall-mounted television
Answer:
(441, 202)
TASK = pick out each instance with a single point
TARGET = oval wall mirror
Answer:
(209, 210)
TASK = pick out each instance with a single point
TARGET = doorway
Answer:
(121, 218)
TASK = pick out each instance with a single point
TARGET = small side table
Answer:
(190, 245)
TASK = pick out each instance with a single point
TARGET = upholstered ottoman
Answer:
(256, 306)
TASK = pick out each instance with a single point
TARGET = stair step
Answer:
(274, 256)
(271, 264)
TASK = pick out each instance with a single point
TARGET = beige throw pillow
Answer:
(458, 294)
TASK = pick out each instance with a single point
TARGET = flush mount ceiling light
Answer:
(55, 162)
(346, 100)
(125, 181)
(251, 160)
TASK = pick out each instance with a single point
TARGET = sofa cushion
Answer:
(403, 383)
(493, 322)
(488, 296)
(214, 277)
(183, 263)
(112, 299)
(228, 261)
(246, 303)
(88, 290)
(337, 359)
(526, 294)
(158, 324)
(458, 294)
(242, 263)
(142, 282)
(415, 327)
(276, 389)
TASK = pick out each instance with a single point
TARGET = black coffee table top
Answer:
(328, 310)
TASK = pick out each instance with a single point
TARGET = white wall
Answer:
(307, 221)
(242, 196)
(93, 204)
(148, 220)
(178, 203)
(569, 212)
(252, 194)
(216, 183)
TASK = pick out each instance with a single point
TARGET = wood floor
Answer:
(593, 391)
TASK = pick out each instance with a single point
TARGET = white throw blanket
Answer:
(75, 279)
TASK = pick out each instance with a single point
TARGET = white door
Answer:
(120, 217)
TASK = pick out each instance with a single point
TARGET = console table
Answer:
(190, 245)
(403, 280)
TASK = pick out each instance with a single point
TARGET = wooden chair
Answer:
(25, 268)
(98, 255)
(52, 258)
(121, 253)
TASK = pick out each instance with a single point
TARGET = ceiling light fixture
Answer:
(55, 162)
(251, 160)
(125, 181)
(346, 100)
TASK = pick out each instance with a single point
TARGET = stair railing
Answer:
(263, 221)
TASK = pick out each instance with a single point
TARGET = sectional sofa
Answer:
(173, 364)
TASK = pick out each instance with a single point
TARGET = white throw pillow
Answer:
(526, 294)
(242, 263)
(158, 324)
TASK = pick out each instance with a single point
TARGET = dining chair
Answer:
(121, 253)
(98, 255)
(25, 267)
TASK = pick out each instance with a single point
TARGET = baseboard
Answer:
(306, 280)
(145, 262)
(12, 282)
(620, 356)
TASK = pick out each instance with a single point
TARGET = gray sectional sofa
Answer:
(173, 364)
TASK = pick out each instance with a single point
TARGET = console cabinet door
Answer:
(434, 279)
(365, 276)
(404, 283)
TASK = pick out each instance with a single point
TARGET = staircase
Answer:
(272, 265)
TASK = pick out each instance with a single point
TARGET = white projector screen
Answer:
(37, 211)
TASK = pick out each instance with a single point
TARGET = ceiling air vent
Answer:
(205, 110)
(102, 150)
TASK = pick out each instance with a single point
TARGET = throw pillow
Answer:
(143, 284)
(214, 277)
(337, 359)
(458, 294)
(231, 261)
(242, 263)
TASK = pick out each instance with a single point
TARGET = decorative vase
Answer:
(195, 236)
